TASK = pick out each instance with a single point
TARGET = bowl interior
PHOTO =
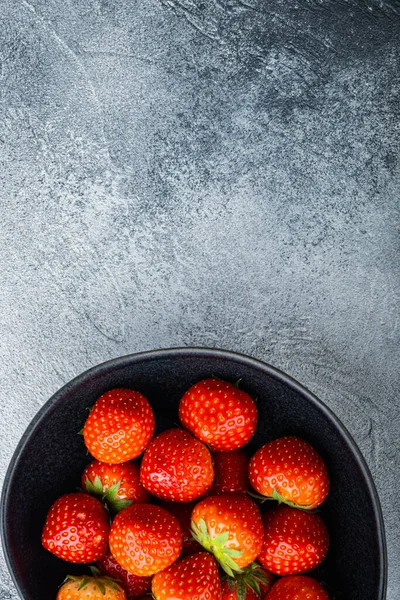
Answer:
(51, 457)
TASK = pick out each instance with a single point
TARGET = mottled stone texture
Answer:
(214, 173)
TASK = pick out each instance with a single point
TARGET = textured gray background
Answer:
(221, 173)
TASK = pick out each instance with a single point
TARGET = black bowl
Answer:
(51, 456)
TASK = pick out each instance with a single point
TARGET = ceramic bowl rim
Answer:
(120, 362)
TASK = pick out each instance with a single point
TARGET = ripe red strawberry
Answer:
(176, 467)
(298, 587)
(219, 414)
(229, 526)
(231, 472)
(291, 471)
(194, 577)
(295, 541)
(118, 485)
(133, 585)
(84, 587)
(183, 512)
(76, 528)
(145, 539)
(119, 426)
(252, 584)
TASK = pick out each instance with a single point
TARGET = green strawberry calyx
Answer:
(251, 577)
(217, 546)
(102, 581)
(281, 500)
(108, 497)
(277, 496)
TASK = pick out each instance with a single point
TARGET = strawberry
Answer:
(145, 539)
(85, 587)
(218, 414)
(252, 584)
(229, 526)
(291, 471)
(297, 587)
(231, 472)
(119, 426)
(118, 485)
(176, 467)
(192, 578)
(76, 528)
(133, 585)
(183, 512)
(295, 541)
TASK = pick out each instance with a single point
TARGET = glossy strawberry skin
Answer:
(133, 585)
(298, 587)
(86, 588)
(295, 541)
(183, 512)
(236, 514)
(195, 576)
(76, 528)
(128, 474)
(219, 414)
(292, 467)
(145, 539)
(176, 467)
(119, 426)
(231, 472)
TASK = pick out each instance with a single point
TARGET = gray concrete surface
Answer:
(218, 173)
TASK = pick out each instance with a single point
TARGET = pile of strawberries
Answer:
(185, 522)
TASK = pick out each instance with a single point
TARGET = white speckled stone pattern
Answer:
(215, 173)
